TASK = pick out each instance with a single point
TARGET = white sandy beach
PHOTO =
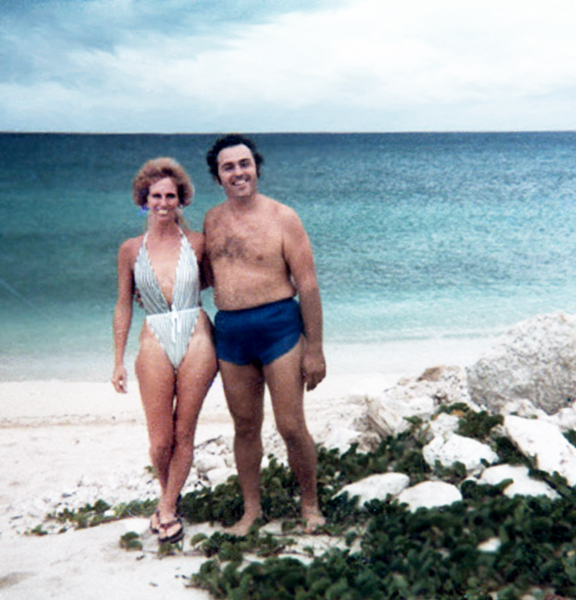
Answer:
(82, 441)
(61, 438)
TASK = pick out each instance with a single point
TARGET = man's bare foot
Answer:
(242, 527)
(313, 519)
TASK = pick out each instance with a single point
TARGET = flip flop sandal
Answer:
(155, 523)
(155, 519)
(176, 536)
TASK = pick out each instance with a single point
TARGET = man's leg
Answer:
(285, 382)
(244, 389)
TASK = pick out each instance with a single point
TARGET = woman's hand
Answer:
(120, 380)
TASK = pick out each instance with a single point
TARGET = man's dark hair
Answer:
(227, 141)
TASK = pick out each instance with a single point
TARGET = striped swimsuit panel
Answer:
(173, 325)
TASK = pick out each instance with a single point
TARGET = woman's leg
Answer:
(157, 380)
(172, 425)
(194, 377)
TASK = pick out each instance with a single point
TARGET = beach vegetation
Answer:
(570, 435)
(131, 541)
(230, 548)
(387, 551)
(38, 531)
(486, 545)
(478, 425)
(136, 508)
(89, 515)
(401, 554)
(508, 452)
(169, 549)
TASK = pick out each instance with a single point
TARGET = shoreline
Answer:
(405, 357)
(353, 369)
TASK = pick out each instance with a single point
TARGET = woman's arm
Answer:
(123, 315)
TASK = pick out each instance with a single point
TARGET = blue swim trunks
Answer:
(258, 335)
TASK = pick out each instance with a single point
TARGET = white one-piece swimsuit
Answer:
(173, 325)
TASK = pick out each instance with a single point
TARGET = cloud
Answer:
(256, 66)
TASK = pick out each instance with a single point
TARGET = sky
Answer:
(208, 66)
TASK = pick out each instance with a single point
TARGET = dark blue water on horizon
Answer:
(418, 238)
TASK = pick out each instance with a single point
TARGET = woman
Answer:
(176, 362)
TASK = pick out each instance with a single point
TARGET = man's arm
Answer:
(299, 257)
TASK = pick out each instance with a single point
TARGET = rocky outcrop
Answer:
(545, 443)
(521, 484)
(429, 494)
(435, 399)
(391, 411)
(376, 486)
(535, 361)
(456, 448)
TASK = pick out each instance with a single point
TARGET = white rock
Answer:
(490, 545)
(205, 462)
(521, 407)
(446, 384)
(220, 475)
(376, 487)
(388, 415)
(534, 360)
(564, 418)
(456, 448)
(545, 442)
(444, 424)
(522, 484)
(430, 494)
(341, 438)
(347, 427)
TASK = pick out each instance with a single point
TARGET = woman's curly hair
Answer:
(156, 169)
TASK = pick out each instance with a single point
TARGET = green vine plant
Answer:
(381, 550)
(392, 553)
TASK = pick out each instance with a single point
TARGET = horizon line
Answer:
(208, 133)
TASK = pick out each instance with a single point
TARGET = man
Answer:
(260, 257)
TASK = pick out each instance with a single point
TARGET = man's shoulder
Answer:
(286, 215)
(214, 212)
(281, 209)
(216, 209)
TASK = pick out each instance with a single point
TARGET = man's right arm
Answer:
(300, 259)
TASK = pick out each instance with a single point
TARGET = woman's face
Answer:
(162, 200)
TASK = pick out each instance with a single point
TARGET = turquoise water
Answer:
(424, 238)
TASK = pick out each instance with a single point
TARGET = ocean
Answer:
(427, 246)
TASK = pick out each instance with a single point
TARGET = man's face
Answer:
(237, 172)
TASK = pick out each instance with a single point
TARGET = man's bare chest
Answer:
(249, 243)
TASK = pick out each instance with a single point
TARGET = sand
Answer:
(63, 439)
